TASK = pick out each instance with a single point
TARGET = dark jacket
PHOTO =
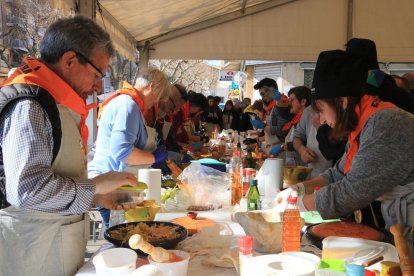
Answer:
(11, 93)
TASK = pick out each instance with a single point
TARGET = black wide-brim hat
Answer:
(338, 74)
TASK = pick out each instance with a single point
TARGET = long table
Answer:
(195, 265)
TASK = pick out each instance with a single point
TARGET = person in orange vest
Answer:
(43, 152)
(124, 141)
(378, 161)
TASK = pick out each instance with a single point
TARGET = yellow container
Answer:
(145, 212)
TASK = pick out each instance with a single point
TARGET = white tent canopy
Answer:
(290, 30)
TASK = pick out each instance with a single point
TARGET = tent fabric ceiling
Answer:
(146, 19)
(290, 30)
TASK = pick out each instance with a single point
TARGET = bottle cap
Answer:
(250, 171)
(253, 182)
(246, 242)
(316, 188)
(292, 199)
(369, 273)
(355, 269)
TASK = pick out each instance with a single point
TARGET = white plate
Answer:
(344, 248)
(277, 264)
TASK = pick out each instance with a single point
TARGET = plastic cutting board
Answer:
(194, 225)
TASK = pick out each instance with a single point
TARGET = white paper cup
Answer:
(176, 268)
(115, 262)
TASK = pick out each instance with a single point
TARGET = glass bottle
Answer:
(253, 197)
(235, 185)
(291, 226)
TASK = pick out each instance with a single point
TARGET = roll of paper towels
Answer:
(270, 177)
(152, 177)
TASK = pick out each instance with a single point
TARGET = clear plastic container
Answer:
(127, 196)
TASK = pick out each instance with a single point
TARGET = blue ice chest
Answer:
(212, 163)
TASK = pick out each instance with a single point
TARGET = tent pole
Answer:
(349, 31)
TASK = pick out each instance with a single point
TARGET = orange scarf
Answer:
(126, 89)
(293, 122)
(368, 106)
(269, 107)
(33, 72)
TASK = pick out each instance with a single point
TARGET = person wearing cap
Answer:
(379, 83)
(276, 106)
(378, 162)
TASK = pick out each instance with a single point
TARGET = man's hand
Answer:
(276, 150)
(276, 96)
(106, 202)
(110, 181)
(307, 155)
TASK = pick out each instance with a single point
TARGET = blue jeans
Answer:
(105, 213)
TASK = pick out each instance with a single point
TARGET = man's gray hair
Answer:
(79, 33)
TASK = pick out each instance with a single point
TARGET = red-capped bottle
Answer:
(245, 250)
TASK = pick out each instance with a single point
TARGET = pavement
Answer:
(93, 246)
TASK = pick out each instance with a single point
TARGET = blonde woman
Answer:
(124, 141)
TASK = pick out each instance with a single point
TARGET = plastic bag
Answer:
(206, 186)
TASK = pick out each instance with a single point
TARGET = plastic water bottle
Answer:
(291, 226)
(245, 250)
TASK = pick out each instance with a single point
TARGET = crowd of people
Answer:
(354, 127)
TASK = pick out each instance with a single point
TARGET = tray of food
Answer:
(157, 233)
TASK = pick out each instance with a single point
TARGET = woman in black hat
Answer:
(378, 161)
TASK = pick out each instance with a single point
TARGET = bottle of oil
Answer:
(253, 197)
(236, 186)
(291, 226)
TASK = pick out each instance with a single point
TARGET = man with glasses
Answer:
(43, 142)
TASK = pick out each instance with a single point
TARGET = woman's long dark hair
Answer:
(346, 119)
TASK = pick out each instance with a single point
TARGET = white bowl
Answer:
(179, 268)
(304, 255)
(115, 262)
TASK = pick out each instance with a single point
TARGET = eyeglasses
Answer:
(91, 64)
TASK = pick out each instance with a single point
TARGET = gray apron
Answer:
(150, 146)
(36, 243)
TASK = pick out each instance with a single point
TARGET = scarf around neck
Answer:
(368, 106)
(34, 72)
(127, 89)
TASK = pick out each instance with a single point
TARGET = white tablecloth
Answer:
(195, 266)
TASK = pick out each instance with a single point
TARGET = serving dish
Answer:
(167, 244)
(356, 231)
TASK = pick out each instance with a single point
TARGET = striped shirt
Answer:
(27, 144)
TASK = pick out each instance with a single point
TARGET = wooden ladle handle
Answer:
(407, 265)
